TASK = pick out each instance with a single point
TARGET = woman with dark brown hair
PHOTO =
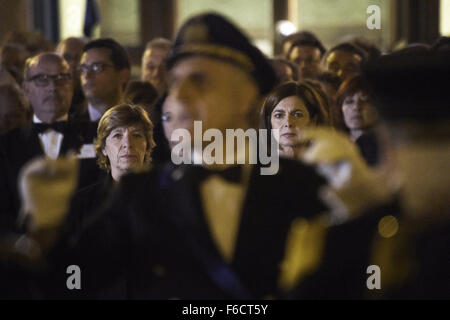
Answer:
(358, 116)
(124, 140)
(291, 107)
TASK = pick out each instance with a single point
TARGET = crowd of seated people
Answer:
(87, 175)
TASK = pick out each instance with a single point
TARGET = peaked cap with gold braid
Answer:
(214, 36)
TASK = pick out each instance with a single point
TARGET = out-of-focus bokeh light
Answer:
(388, 226)
(285, 27)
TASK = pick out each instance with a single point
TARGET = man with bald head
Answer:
(49, 89)
(48, 86)
(71, 50)
(153, 63)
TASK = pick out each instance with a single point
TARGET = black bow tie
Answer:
(59, 126)
(231, 174)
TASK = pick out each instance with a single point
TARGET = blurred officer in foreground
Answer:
(398, 250)
(209, 231)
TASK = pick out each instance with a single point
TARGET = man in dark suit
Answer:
(209, 231)
(104, 73)
(48, 87)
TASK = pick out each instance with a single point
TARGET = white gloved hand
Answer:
(353, 185)
(46, 187)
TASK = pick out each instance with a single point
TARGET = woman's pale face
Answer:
(358, 112)
(175, 116)
(125, 148)
(290, 116)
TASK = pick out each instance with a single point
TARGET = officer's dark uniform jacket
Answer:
(154, 234)
(413, 260)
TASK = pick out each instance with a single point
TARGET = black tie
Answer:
(59, 126)
(231, 174)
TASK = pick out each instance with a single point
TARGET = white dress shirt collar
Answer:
(94, 114)
(63, 118)
(51, 141)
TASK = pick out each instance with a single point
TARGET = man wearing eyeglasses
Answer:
(306, 52)
(49, 88)
(104, 71)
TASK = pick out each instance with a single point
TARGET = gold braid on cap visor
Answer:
(220, 52)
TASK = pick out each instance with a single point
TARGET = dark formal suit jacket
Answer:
(20, 276)
(23, 278)
(87, 201)
(79, 112)
(19, 146)
(154, 233)
(368, 145)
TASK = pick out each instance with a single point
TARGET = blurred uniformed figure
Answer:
(399, 249)
(193, 231)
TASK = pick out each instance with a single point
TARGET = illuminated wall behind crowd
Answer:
(133, 22)
(71, 18)
(333, 20)
(445, 17)
(119, 20)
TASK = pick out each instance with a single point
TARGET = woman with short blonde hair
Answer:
(124, 139)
